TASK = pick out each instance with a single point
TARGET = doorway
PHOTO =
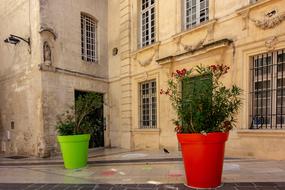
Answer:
(96, 118)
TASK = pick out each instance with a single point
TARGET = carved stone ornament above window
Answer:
(271, 43)
(143, 61)
(270, 20)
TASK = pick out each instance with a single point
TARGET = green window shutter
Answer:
(196, 102)
(197, 86)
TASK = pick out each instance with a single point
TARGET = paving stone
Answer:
(245, 188)
(226, 186)
(117, 188)
(130, 185)
(87, 188)
(106, 187)
(181, 186)
(48, 187)
(59, 187)
(72, 187)
(150, 186)
(170, 187)
(245, 185)
(267, 188)
(35, 186)
(265, 184)
(280, 184)
(13, 186)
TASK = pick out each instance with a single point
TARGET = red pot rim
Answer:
(215, 137)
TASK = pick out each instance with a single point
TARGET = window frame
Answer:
(189, 26)
(143, 44)
(84, 35)
(268, 87)
(152, 110)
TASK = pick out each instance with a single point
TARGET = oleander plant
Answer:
(203, 104)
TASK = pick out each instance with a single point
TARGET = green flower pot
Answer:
(74, 149)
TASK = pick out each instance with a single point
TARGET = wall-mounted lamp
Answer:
(13, 39)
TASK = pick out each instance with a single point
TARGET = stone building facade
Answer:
(38, 81)
(140, 43)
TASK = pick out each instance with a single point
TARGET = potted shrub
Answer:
(205, 110)
(74, 130)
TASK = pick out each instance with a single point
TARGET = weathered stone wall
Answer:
(115, 91)
(58, 96)
(33, 92)
(20, 80)
(68, 72)
(32, 98)
(63, 18)
(230, 37)
(119, 36)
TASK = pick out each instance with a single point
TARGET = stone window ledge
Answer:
(148, 47)
(204, 25)
(155, 130)
(261, 133)
(223, 43)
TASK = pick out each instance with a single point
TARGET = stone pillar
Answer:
(125, 77)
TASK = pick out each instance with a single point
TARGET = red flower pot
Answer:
(203, 157)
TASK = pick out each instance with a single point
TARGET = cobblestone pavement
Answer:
(226, 186)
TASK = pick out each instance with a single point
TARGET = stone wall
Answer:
(20, 80)
(119, 36)
(235, 31)
(33, 91)
(67, 71)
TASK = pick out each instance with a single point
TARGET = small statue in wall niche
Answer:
(47, 54)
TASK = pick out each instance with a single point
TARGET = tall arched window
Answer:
(89, 39)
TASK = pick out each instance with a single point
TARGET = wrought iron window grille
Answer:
(89, 39)
(148, 104)
(268, 91)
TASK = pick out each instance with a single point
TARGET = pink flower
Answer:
(181, 73)
(167, 92)
(213, 67)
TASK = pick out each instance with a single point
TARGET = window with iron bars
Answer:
(196, 12)
(268, 91)
(147, 22)
(148, 104)
(88, 39)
